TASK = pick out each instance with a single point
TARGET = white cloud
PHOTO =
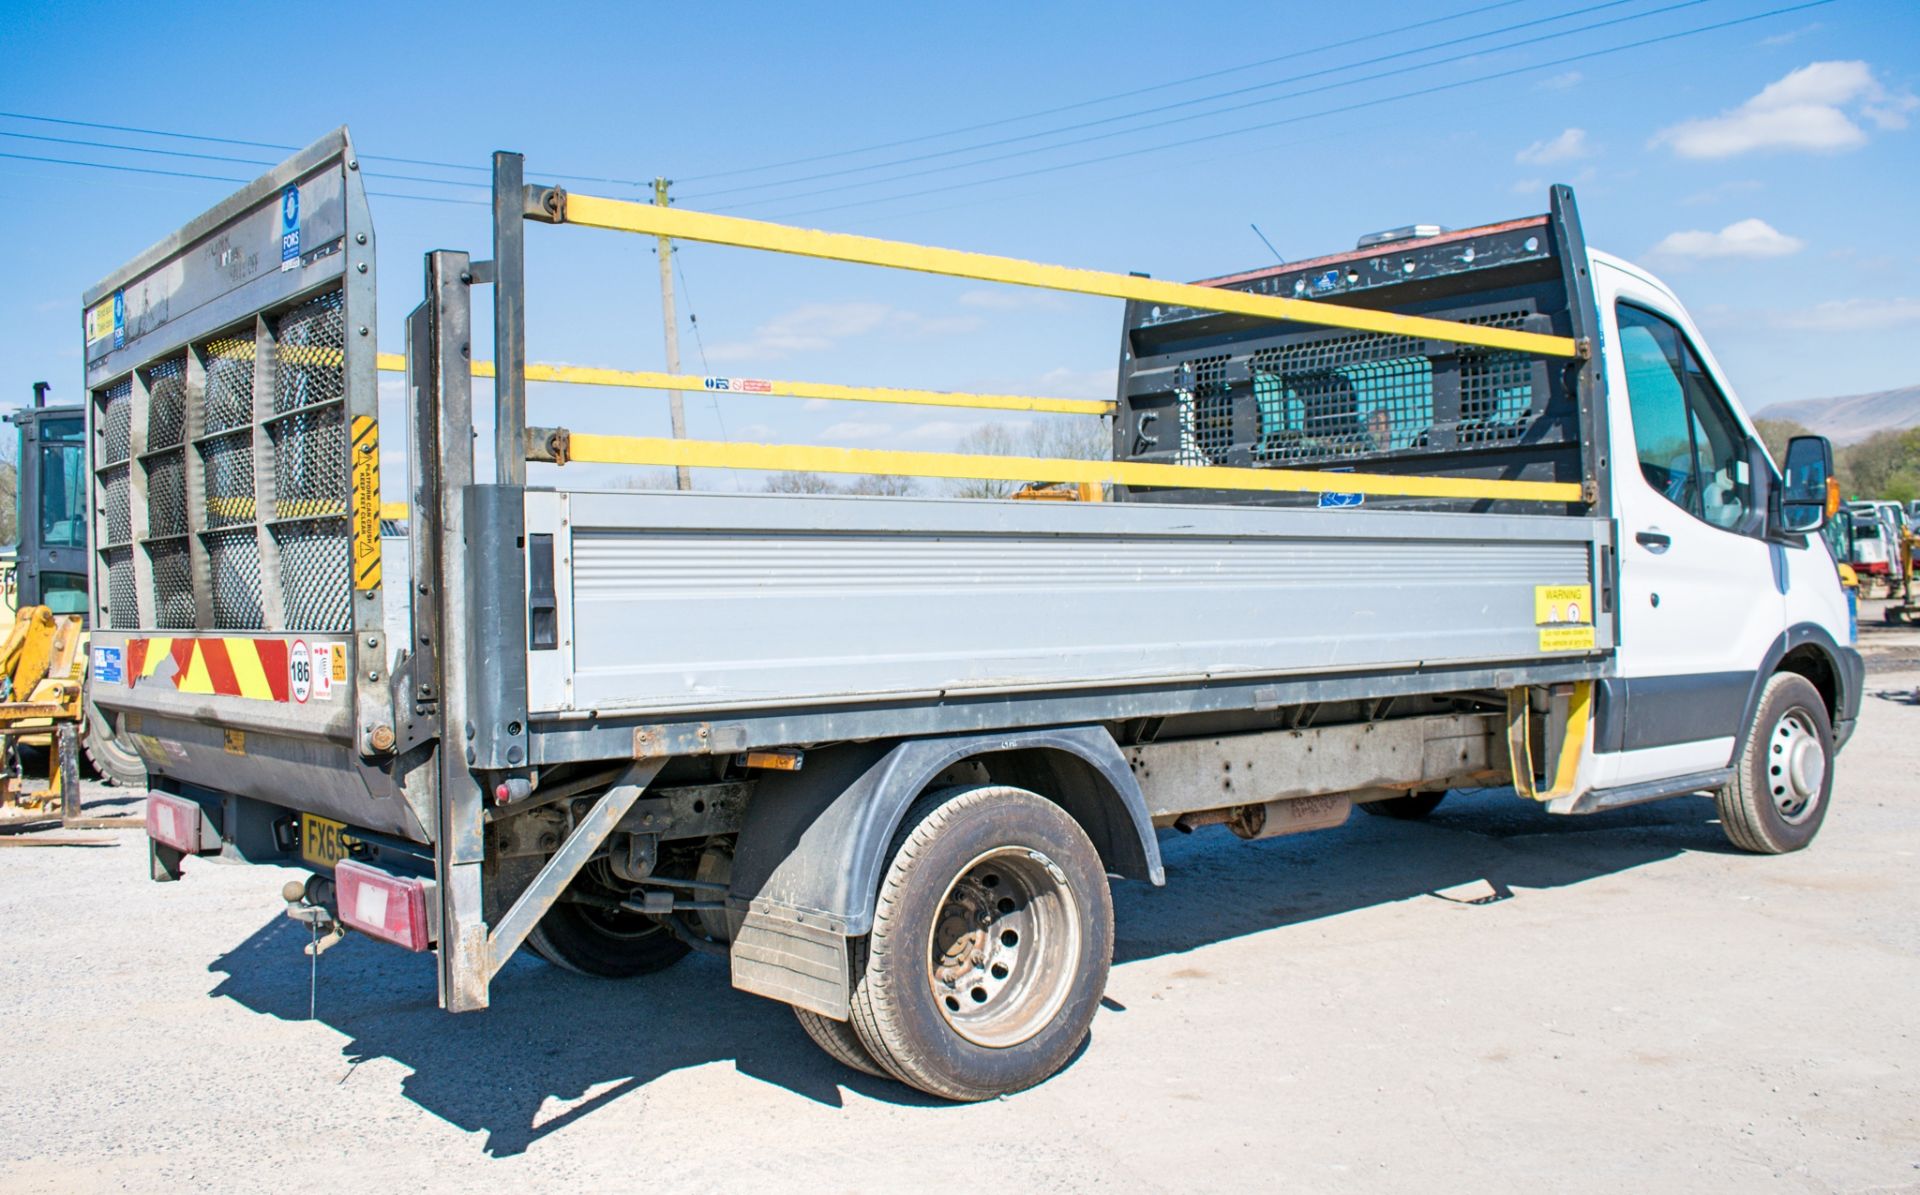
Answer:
(854, 429)
(1077, 383)
(1724, 191)
(1853, 315)
(1563, 81)
(1569, 146)
(1804, 110)
(1752, 238)
(1011, 299)
(1790, 36)
(812, 327)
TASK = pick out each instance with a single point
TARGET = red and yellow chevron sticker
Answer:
(252, 668)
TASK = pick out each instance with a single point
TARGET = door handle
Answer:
(1654, 541)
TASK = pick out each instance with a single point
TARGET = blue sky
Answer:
(1769, 170)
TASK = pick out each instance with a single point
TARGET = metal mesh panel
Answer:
(114, 485)
(167, 494)
(172, 584)
(1341, 396)
(227, 462)
(314, 574)
(310, 465)
(166, 403)
(1364, 393)
(228, 401)
(122, 608)
(116, 422)
(311, 354)
(1496, 390)
(1206, 411)
(233, 560)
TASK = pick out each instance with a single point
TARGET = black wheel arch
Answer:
(1808, 650)
(817, 841)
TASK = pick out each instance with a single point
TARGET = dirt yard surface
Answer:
(1492, 1001)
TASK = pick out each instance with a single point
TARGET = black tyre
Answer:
(113, 761)
(992, 938)
(1781, 784)
(840, 1040)
(1411, 808)
(609, 943)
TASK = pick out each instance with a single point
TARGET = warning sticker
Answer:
(1558, 605)
(1564, 614)
(323, 670)
(1566, 638)
(100, 321)
(366, 502)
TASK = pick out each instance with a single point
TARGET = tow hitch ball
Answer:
(306, 902)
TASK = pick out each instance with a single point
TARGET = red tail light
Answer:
(382, 906)
(174, 822)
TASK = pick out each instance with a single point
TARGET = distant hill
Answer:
(1851, 417)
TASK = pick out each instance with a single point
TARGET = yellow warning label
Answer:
(1566, 638)
(1562, 605)
(100, 321)
(236, 741)
(366, 502)
(339, 654)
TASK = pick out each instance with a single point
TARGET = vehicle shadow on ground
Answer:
(556, 1047)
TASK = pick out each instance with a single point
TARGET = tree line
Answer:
(1885, 465)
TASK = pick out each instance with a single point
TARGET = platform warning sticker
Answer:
(366, 503)
(1564, 614)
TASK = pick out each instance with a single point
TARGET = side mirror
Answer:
(1809, 492)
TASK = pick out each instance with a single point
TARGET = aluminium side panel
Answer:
(682, 603)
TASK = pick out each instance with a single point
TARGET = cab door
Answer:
(1701, 592)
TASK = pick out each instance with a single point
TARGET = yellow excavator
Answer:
(41, 699)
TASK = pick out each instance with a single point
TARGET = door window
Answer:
(1691, 450)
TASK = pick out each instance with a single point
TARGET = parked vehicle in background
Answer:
(50, 563)
(1448, 509)
(1879, 557)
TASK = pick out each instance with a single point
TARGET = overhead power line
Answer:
(1203, 99)
(1104, 99)
(177, 136)
(1334, 85)
(1353, 107)
(218, 178)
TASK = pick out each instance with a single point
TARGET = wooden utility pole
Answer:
(683, 476)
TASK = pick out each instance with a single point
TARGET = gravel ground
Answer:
(1491, 1001)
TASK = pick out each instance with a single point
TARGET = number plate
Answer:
(323, 841)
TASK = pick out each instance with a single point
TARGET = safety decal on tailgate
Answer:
(258, 669)
(366, 503)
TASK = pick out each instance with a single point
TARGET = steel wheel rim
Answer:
(1004, 947)
(1796, 767)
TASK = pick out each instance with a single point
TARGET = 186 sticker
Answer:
(300, 671)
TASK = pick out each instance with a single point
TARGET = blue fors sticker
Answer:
(108, 666)
(290, 228)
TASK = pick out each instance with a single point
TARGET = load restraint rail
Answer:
(554, 205)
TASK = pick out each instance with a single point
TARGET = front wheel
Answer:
(991, 943)
(1778, 796)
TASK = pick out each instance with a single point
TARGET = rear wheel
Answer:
(114, 761)
(1411, 808)
(609, 943)
(839, 1039)
(1778, 796)
(991, 942)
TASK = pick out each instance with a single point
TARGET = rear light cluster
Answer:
(388, 907)
(175, 822)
